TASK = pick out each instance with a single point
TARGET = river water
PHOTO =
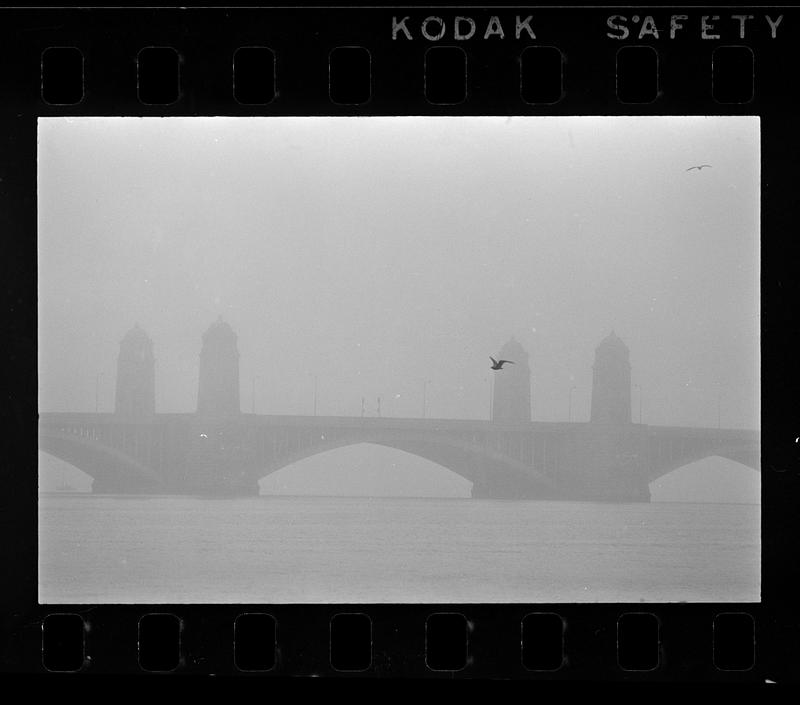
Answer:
(273, 549)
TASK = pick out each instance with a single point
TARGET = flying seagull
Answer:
(701, 166)
(498, 364)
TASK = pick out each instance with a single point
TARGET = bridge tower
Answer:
(611, 385)
(136, 386)
(511, 400)
(218, 389)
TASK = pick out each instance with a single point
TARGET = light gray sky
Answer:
(376, 253)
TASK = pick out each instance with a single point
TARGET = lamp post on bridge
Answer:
(315, 393)
(569, 415)
(425, 397)
(639, 387)
(97, 392)
(491, 396)
(253, 409)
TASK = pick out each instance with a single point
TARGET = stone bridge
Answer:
(193, 454)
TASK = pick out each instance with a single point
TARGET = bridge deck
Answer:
(73, 418)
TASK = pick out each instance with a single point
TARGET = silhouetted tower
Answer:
(511, 400)
(611, 386)
(218, 391)
(136, 375)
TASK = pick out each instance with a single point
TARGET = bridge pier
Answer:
(223, 488)
(121, 485)
(640, 493)
(500, 491)
(622, 493)
(605, 486)
(607, 493)
(497, 483)
(226, 487)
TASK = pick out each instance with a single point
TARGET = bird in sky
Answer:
(498, 364)
(699, 167)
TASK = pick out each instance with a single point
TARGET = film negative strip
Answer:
(401, 342)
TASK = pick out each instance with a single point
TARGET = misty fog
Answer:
(387, 258)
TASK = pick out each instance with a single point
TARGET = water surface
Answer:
(118, 549)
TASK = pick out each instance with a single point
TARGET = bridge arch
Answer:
(108, 466)
(56, 474)
(666, 460)
(713, 478)
(366, 470)
(471, 461)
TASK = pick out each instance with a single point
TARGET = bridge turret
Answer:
(611, 385)
(218, 389)
(511, 400)
(136, 386)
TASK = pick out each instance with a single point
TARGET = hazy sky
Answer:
(376, 253)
